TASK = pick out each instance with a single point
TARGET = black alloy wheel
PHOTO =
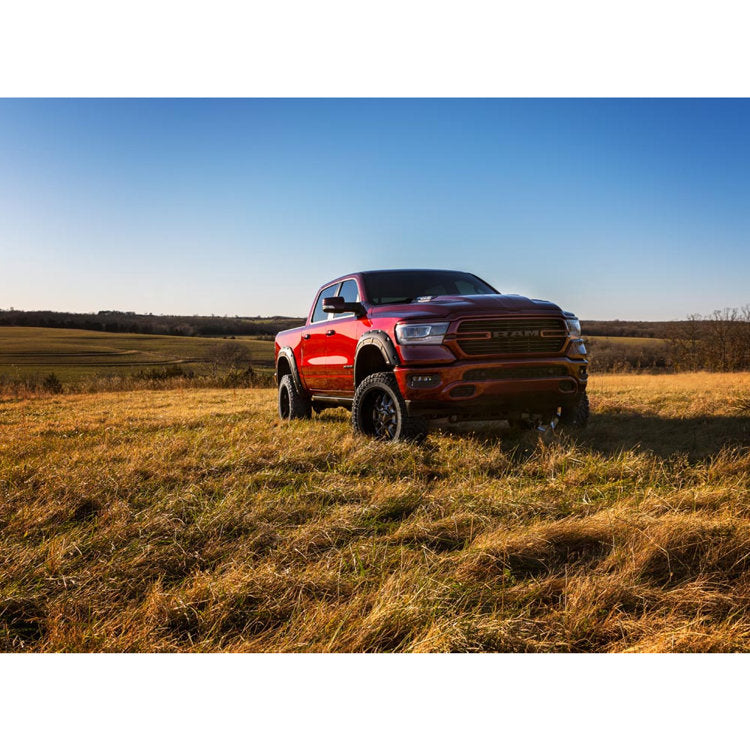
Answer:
(384, 417)
(379, 410)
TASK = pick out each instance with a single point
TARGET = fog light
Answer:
(424, 381)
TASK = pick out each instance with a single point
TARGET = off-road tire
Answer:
(577, 413)
(379, 411)
(292, 403)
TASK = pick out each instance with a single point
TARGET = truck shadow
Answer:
(697, 437)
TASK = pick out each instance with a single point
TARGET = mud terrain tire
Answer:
(292, 403)
(577, 414)
(379, 411)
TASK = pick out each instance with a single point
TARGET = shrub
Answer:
(164, 373)
(52, 383)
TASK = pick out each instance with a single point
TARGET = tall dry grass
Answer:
(192, 520)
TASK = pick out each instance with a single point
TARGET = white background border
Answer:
(388, 48)
(542, 48)
(367, 701)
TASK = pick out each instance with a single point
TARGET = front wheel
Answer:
(577, 414)
(292, 403)
(379, 410)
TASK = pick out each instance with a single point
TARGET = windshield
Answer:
(388, 287)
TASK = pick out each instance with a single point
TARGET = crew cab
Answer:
(401, 347)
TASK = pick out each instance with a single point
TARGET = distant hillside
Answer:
(115, 321)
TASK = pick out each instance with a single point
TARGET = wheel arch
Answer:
(287, 365)
(375, 353)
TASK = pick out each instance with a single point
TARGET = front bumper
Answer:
(494, 389)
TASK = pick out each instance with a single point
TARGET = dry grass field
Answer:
(75, 355)
(195, 521)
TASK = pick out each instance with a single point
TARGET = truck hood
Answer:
(458, 306)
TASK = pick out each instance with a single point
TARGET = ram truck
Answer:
(400, 348)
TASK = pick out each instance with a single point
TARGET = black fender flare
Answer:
(286, 353)
(382, 341)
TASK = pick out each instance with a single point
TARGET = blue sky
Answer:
(630, 209)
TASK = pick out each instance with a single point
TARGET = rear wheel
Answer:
(379, 410)
(577, 413)
(292, 403)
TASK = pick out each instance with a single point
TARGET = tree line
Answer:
(644, 329)
(718, 342)
(115, 321)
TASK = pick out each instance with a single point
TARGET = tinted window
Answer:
(466, 287)
(318, 314)
(384, 287)
(349, 292)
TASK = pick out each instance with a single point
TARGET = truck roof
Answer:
(397, 270)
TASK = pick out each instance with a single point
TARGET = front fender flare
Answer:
(382, 341)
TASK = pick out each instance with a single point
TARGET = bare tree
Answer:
(230, 355)
(686, 343)
(720, 341)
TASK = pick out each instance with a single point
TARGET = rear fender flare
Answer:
(286, 353)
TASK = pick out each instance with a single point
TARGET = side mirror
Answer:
(339, 305)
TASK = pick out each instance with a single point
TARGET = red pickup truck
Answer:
(401, 347)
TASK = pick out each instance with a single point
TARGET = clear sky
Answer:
(630, 209)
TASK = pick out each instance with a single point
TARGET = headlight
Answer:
(421, 333)
(574, 327)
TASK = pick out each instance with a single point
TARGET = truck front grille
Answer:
(511, 336)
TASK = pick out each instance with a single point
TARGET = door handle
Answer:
(305, 335)
(330, 332)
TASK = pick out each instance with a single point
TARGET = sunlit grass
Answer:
(195, 520)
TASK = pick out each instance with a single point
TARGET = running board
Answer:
(333, 400)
